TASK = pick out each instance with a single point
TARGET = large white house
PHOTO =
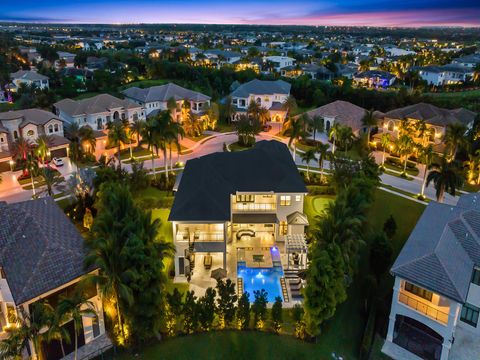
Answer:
(97, 111)
(155, 99)
(240, 211)
(29, 78)
(436, 296)
(445, 75)
(268, 94)
(279, 62)
(42, 259)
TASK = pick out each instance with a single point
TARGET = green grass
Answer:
(469, 94)
(314, 205)
(237, 147)
(136, 151)
(223, 128)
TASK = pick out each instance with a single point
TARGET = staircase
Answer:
(191, 257)
(239, 286)
(284, 290)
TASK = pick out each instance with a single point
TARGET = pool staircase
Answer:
(284, 290)
(239, 286)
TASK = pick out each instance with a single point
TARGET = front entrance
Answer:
(417, 338)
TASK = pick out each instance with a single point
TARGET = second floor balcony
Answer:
(254, 207)
(423, 306)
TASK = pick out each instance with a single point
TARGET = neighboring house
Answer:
(436, 119)
(65, 59)
(30, 78)
(444, 75)
(30, 124)
(268, 94)
(468, 61)
(340, 112)
(220, 57)
(279, 62)
(436, 295)
(95, 63)
(346, 70)
(155, 99)
(97, 111)
(81, 75)
(238, 207)
(374, 78)
(42, 259)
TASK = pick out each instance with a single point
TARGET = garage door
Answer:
(59, 153)
(4, 166)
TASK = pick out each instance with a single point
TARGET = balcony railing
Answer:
(423, 308)
(207, 236)
(254, 207)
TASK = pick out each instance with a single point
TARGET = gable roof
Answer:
(443, 248)
(28, 116)
(262, 87)
(28, 75)
(164, 93)
(432, 114)
(207, 182)
(94, 105)
(40, 248)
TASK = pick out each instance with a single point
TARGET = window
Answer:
(470, 314)
(181, 265)
(416, 290)
(55, 127)
(50, 129)
(95, 326)
(135, 116)
(476, 277)
(30, 133)
(285, 200)
(391, 126)
(283, 228)
(245, 198)
(15, 134)
(298, 197)
(1, 140)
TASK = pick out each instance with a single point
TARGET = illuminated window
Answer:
(285, 200)
(298, 197)
(30, 133)
(283, 228)
(245, 198)
(416, 290)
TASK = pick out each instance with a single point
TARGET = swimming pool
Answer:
(261, 278)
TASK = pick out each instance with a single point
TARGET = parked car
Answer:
(57, 161)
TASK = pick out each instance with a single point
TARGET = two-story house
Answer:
(279, 62)
(30, 124)
(436, 120)
(374, 78)
(42, 259)
(29, 78)
(444, 75)
(436, 295)
(267, 94)
(98, 110)
(235, 209)
(155, 99)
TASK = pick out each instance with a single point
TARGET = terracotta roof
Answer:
(28, 116)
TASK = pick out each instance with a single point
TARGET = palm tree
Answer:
(21, 148)
(385, 141)
(172, 106)
(149, 136)
(117, 135)
(163, 135)
(87, 138)
(294, 130)
(74, 149)
(75, 307)
(446, 178)
(306, 157)
(455, 138)
(322, 150)
(405, 145)
(227, 109)
(176, 132)
(317, 125)
(246, 130)
(333, 134)
(426, 157)
(290, 105)
(136, 128)
(51, 178)
(43, 143)
(31, 164)
(369, 121)
(58, 332)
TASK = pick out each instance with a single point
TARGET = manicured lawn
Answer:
(314, 205)
(237, 147)
(136, 151)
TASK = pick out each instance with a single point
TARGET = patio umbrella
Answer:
(218, 274)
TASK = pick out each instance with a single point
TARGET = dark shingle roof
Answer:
(164, 93)
(40, 249)
(443, 248)
(207, 182)
(28, 116)
(262, 87)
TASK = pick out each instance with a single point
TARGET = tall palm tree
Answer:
(322, 151)
(175, 133)
(72, 132)
(149, 136)
(43, 144)
(294, 130)
(426, 157)
(163, 135)
(290, 105)
(307, 157)
(446, 178)
(87, 138)
(369, 121)
(74, 308)
(346, 137)
(117, 135)
(317, 125)
(384, 141)
(21, 148)
(455, 138)
(31, 164)
(333, 134)
(136, 129)
(405, 146)
(58, 332)
(51, 178)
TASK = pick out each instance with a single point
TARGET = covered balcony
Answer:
(254, 203)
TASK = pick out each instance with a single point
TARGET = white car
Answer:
(57, 161)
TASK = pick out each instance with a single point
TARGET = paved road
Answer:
(10, 191)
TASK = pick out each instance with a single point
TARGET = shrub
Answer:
(259, 308)
(243, 311)
(277, 314)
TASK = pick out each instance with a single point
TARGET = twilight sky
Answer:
(289, 12)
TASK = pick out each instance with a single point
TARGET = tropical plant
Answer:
(385, 142)
(297, 316)
(117, 136)
(317, 124)
(259, 308)
(446, 177)
(149, 135)
(43, 144)
(322, 151)
(243, 311)
(227, 298)
(333, 134)
(190, 312)
(52, 178)
(277, 314)
(136, 128)
(345, 137)
(369, 121)
(87, 139)
(307, 157)
(290, 105)
(21, 148)
(455, 138)
(294, 129)
(31, 165)
(175, 306)
(426, 157)
(246, 129)
(206, 309)
(75, 308)
(405, 145)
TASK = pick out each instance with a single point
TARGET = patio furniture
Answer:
(207, 262)
(245, 232)
(218, 274)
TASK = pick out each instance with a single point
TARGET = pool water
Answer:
(261, 278)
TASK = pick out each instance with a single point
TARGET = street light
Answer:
(12, 163)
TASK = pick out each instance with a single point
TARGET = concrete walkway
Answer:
(93, 349)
